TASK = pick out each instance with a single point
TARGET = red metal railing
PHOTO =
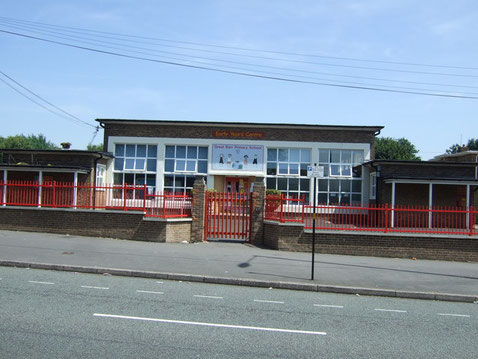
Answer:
(87, 196)
(228, 215)
(375, 218)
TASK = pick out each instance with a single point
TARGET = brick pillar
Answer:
(198, 210)
(257, 213)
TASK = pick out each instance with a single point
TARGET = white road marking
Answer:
(231, 326)
(391, 310)
(328, 306)
(268, 301)
(207, 296)
(159, 282)
(37, 282)
(90, 287)
(454, 315)
(149, 291)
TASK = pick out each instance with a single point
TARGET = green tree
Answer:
(472, 145)
(387, 148)
(31, 142)
(98, 148)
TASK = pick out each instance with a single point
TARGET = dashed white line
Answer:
(454, 315)
(230, 326)
(391, 310)
(38, 282)
(149, 291)
(91, 287)
(268, 301)
(328, 306)
(159, 282)
(207, 296)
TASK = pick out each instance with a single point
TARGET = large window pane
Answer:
(190, 166)
(356, 186)
(346, 156)
(192, 152)
(152, 151)
(130, 150)
(151, 165)
(271, 183)
(272, 154)
(170, 152)
(324, 156)
(294, 169)
(180, 165)
(140, 162)
(282, 184)
(305, 156)
(119, 150)
(334, 185)
(202, 166)
(271, 168)
(141, 151)
(294, 155)
(119, 162)
(293, 184)
(169, 165)
(283, 168)
(323, 185)
(335, 156)
(129, 164)
(180, 151)
(202, 153)
(283, 154)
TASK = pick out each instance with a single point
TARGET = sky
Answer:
(279, 61)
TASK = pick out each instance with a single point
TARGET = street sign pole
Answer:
(313, 229)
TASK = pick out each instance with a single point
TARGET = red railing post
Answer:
(144, 197)
(386, 217)
(125, 192)
(164, 204)
(53, 199)
(281, 220)
(472, 219)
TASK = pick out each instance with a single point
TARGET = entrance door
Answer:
(228, 215)
(236, 185)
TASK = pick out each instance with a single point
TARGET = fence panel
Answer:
(88, 196)
(374, 218)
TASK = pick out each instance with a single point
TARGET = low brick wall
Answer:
(94, 223)
(292, 237)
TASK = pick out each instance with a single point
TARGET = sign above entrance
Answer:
(237, 158)
(237, 134)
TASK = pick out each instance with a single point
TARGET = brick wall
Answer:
(294, 238)
(110, 224)
(270, 134)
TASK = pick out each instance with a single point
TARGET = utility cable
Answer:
(238, 72)
(71, 29)
(60, 112)
(74, 38)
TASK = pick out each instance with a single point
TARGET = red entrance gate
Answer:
(228, 216)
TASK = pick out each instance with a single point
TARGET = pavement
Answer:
(243, 264)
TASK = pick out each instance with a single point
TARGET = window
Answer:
(100, 175)
(181, 164)
(191, 159)
(340, 185)
(373, 185)
(287, 171)
(135, 164)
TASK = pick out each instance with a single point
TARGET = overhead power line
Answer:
(277, 78)
(52, 108)
(82, 30)
(153, 52)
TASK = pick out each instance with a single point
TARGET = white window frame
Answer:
(373, 185)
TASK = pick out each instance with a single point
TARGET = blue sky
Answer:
(379, 33)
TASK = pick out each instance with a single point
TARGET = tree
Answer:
(472, 145)
(387, 148)
(98, 148)
(31, 142)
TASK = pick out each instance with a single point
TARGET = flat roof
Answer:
(237, 124)
(46, 168)
(420, 163)
(98, 154)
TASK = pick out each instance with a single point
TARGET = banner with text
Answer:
(237, 157)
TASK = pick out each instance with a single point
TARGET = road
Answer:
(48, 314)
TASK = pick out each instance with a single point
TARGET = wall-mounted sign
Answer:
(237, 158)
(237, 134)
